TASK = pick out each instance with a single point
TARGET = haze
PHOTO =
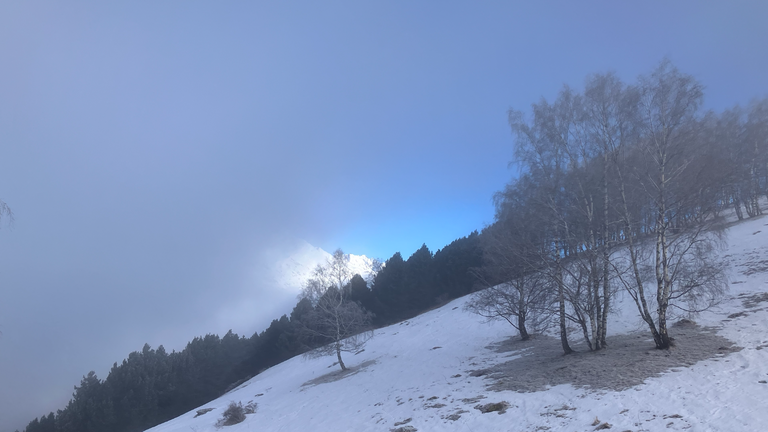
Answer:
(160, 157)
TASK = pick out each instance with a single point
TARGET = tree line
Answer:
(152, 386)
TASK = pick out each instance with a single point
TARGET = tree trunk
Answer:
(338, 336)
(561, 298)
(755, 182)
(584, 330)
(606, 288)
(597, 325)
(640, 301)
(662, 261)
(737, 206)
(594, 340)
(748, 205)
(521, 327)
(338, 356)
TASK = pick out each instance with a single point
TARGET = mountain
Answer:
(292, 272)
(441, 370)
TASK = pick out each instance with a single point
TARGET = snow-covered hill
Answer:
(434, 372)
(292, 272)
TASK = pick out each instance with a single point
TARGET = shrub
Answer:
(250, 408)
(234, 414)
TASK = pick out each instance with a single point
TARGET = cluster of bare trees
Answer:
(621, 186)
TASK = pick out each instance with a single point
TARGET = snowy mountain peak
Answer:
(292, 272)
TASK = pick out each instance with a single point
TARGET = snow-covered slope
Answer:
(292, 272)
(418, 373)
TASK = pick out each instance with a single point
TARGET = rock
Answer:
(203, 411)
(406, 421)
(500, 407)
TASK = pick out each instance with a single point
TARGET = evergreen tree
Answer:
(359, 292)
(420, 291)
(388, 288)
(452, 264)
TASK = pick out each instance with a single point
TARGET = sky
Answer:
(159, 157)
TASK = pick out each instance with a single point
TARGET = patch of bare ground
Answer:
(751, 301)
(752, 262)
(339, 374)
(628, 361)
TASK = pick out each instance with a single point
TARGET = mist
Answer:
(160, 158)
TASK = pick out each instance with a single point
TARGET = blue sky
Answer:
(155, 154)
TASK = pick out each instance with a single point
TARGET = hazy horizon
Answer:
(159, 158)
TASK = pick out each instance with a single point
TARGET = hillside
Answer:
(433, 372)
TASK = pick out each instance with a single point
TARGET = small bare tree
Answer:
(523, 302)
(517, 291)
(5, 211)
(234, 414)
(334, 319)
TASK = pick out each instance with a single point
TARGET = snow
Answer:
(406, 365)
(292, 272)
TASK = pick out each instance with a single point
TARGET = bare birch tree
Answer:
(334, 319)
(587, 188)
(683, 261)
(516, 290)
(608, 115)
(540, 146)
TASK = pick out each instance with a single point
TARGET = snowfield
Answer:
(418, 374)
